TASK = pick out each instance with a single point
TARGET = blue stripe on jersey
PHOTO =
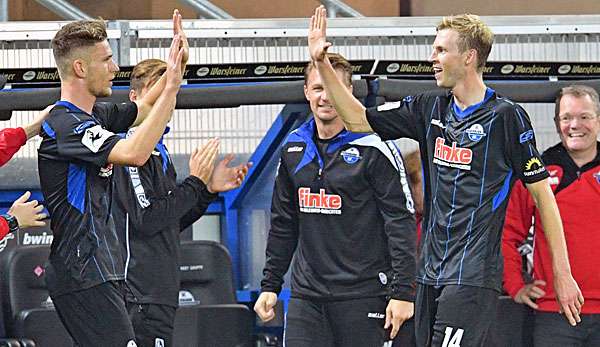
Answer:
(49, 130)
(503, 193)
(435, 105)
(76, 181)
(487, 145)
(466, 245)
(450, 217)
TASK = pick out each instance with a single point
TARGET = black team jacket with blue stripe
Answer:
(344, 208)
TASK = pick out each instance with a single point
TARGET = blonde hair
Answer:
(473, 33)
(146, 73)
(72, 37)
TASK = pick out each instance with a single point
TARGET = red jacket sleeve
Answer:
(516, 226)
(4, 229)
(11, 140)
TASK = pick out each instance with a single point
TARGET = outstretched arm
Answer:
(135, 150)
(568, 294)
(348, 107)
(145, 103)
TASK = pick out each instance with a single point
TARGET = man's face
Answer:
(578, 124)
(449, 64)
(315, 93)
(101, 69)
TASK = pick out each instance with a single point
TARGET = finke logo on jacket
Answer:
(319, 202)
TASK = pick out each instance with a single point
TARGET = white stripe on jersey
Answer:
(391, 152)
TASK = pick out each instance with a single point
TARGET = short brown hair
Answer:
(338, 62)
(146, 73)
(578, 91)
(73, 36)
(473, 33)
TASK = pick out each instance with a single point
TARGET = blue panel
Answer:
(48, 130)
(76, 181)
(503, 193)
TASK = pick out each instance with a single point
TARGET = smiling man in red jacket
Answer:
(574, 167)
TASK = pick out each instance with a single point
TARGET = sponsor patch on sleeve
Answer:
(526, 136)
(533, 167)
(94, 137)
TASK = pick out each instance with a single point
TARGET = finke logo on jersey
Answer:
(94, 137)
(533, 167)
(438, 123)
(475, 132)
(452, 156)
(526, 136)
(319, 202)
(4, 241)
(351, 155)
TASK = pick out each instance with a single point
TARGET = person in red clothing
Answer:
(12, 139)
(574, 167)
(22, 213)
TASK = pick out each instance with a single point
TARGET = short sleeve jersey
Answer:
(76, 182)
(471, 158)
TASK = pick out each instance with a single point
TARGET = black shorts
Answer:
(454, 315)
(152, 324)
(97, 316)
(347, 323)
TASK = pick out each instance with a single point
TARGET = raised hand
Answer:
(28, 213)
(226, 178)
(317, 38)
(178, 30)
(202, 160)
(174, 71)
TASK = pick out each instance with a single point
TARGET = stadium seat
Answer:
(209, 314)
(28, 312)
